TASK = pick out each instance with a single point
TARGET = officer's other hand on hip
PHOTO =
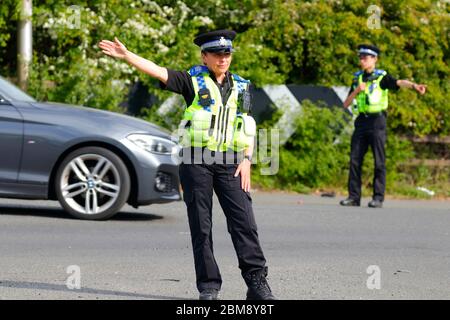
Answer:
(244, 170)
(361, 87)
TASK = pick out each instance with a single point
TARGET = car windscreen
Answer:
(11, 92)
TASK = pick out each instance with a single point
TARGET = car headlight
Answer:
(153, 144)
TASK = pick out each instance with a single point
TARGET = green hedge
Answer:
(303, 42)
(279, 41)
(317, 155)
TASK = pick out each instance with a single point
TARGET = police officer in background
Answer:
(369, 96)
(217, 136)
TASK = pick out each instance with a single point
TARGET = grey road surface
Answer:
(315, 250)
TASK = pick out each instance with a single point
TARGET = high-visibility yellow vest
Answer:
(373, 99)
(207, 122)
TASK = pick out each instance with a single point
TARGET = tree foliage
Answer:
(279, 41)
(316, 156)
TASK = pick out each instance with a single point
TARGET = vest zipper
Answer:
(222, 127)
(226, 125)
(219, 125)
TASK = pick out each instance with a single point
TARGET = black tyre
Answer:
(92, 183)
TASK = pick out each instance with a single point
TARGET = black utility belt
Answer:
(199, 155)
(373, 114)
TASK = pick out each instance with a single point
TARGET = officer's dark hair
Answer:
(203, 52)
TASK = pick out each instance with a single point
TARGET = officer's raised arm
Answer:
(118, 50)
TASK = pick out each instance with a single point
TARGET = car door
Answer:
(11, 140)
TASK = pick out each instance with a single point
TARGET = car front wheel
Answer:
(92, 183)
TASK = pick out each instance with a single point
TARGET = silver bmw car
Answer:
(91, 161)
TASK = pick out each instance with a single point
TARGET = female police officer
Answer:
(369, 94)
(216, 130)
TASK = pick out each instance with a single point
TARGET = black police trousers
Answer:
(198, 182)
(370, 130)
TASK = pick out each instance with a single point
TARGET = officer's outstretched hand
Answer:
(114, 49)
(420, 88)
(244, 170)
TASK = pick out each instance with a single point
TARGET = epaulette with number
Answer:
(358, 73)
(199, 69)
(240, 79)
(380, 72)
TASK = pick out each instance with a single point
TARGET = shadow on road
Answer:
(63, 288)
(50, 212)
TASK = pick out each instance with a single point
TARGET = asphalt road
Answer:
(315, 250)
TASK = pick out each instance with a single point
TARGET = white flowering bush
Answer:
(279, 41)
(69, 67)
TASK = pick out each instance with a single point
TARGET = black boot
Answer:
(350, 203)
(258, 288)
(209, 294)
(375, 204)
